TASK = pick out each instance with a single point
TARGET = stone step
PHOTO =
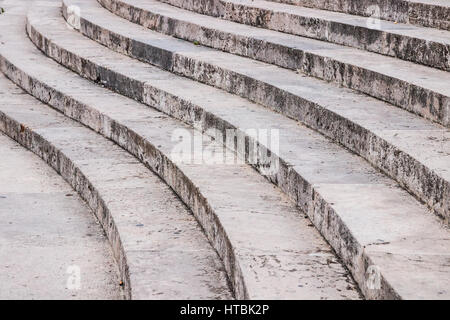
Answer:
(422, 45)
(394, 250)
(269, 248)
(416, 88)
(428, 13)
(143, 219)
(51, 246)
(408, 148)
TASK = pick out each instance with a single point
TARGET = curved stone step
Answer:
(394, 237)
(408, 148)
(428, 13)
(160, 249)
(426, 46)
(269, 249)
(51, 247)
(416, 88)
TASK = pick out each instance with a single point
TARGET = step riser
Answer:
(143, 150)
(429, 53)
(410, 173)
(319, 210)
(424, 102)
(75, 177)
(401, 11)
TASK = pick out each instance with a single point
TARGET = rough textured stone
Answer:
(416, 88)
(409, 149)
(268, 247)
(426, 46)
(143, 219)
(392, 230)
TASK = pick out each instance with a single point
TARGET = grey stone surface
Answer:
(393, 229)
(269, 248)
(426, 46)
(419, 89)
(152, 233)
(428, 13)
(51, 246)
(411, 150)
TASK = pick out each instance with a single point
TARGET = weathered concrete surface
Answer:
(162, 251)
(426, 46)
(416, 88)
(428, 13)
(410, 149)
(385, 237)
(269, 249)
(49, 239)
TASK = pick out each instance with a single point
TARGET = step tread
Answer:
(48, 232)
(378, 193)
(190, 267)
(269, 235)
(426, 142)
